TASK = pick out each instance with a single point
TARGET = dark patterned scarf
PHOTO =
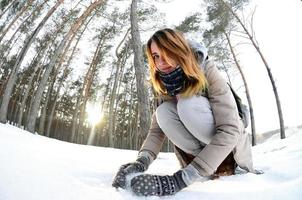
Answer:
(174, 81)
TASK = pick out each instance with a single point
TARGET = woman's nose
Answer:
(161, 61)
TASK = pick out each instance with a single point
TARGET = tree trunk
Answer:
(5, 52)
(12, 79)
(29, 84)
(136, 128)
(75, 121)
(114, 93)
(281, 121)
(73, 30)
(55, 132)
(33, 89)
(75, 114)
(115, 107)
(44, 110)
(16, 98)
(55, 100)
(89, 77)
(254, 136)
(130, 119)
(88, 82)
(228, 75)
(12, 106)
(142, 92)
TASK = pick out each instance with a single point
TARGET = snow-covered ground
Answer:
(34, 167)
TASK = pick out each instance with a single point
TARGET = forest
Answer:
(76, 70)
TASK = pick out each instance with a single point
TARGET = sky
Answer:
(278, 32)
(35, 167)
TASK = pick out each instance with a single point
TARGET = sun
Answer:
(94, 112)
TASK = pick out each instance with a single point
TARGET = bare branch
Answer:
(252, 23)
(240, 32)
(124, 38)
(83, 4)
(241, 36)
(243, 17)
(244, 43)
(252, 27)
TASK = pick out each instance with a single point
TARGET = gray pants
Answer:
(188, 123)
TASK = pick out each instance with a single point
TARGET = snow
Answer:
(34, 167)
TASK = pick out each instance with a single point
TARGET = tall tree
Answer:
(45, 106)
(55, 101)
(222, 25)
(34, 67)
(254, 138)
(73, 137)
(120, 57)
(255, 44)
(88, 80)
(142, 92)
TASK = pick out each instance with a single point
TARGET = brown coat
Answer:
(230, 137)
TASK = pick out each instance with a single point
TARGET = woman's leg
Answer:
(196, 115)
(190, 125)
(168, 120)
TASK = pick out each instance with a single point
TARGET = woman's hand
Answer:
(140, 165)
(154, 185)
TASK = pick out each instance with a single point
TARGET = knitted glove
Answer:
(148, 185)
(140, 165)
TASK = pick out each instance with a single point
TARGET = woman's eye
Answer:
(155, 57)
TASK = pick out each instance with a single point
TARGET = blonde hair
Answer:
(173, 45)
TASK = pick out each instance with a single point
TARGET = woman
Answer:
(198, 115)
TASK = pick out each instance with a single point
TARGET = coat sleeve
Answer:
(155, 138)
(227, 123)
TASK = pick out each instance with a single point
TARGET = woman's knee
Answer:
(189, 107)
(196, 114)
(165, 112)
(168, 120)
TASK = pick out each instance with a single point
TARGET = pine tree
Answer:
(142, 92)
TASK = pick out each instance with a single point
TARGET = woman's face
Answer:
(165, 66)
